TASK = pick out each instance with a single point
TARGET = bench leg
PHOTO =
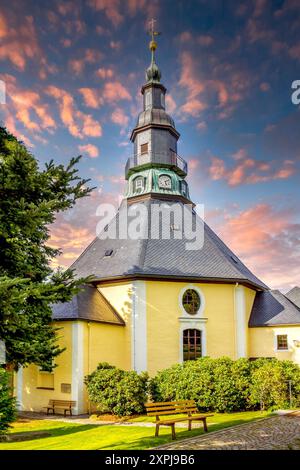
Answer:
(204, 425)
(156, 430)
(173, 431)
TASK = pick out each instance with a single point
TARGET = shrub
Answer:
(7, 402)
(225, 385)
(117, 391)
(215, 384)
(270, 383)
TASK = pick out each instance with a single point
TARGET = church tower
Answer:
(155, 168)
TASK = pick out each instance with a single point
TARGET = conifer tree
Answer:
(30, 199)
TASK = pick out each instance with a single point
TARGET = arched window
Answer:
(192, 344)
(191, 301)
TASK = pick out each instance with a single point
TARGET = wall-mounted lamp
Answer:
(296, 343)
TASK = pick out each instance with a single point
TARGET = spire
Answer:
(153, 74)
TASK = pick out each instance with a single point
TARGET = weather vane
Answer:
(153, 33)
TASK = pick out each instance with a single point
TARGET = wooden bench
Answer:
(186, 407)
(66, 405)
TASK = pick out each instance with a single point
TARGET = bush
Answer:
(271, 381)
(117, 391)
(225, 385)
(215, 384)
(7, 402)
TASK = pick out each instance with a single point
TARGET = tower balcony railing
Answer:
(169, 159)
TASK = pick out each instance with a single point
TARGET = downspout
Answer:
(88, 364)
(235, 319)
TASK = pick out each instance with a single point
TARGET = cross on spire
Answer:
(152, 31)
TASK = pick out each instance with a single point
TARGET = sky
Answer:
(73, 71)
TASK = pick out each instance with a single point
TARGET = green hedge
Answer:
(7, 403)
(117, 391)
(221, 385)
(227, 385)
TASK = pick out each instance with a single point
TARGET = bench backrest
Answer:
(171, 408)
(66, 403)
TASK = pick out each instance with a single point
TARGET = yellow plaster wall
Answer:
(34, 399)
(119, 296)
(262, 342)
(163, 312)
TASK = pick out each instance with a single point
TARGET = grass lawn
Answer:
(65, 436)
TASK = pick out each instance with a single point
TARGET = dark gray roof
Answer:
(273, 308)
(88, 304)
(294, 295)
(160, 257)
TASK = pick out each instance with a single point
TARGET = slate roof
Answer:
(163, 258)
(89, 304)
(294, 295)
(273, 308)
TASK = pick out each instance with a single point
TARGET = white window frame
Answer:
(202, 301)
(187, 321)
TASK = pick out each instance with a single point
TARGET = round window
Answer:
(191, 301)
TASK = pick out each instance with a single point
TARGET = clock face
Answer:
(164, 181)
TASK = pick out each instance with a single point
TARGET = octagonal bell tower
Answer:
(155, 168)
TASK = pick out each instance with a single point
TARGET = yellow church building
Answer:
(153, 302)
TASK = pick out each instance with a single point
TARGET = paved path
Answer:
(275, 433)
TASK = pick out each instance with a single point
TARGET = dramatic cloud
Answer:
(19, 44)
(90, 149)
(78, 123)
(266, 239)
(104, 73)
(249, 171)
(90, 56)
(119, 117)
(115, 91)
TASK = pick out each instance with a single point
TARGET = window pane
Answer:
(191, 301)
(282, 342)
(192, 347)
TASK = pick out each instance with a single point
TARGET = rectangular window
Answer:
(282, 342)
(144, 148)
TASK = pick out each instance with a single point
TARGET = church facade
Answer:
(153, 302)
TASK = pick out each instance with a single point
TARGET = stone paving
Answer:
(275, 433)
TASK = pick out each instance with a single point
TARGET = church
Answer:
(153, 302)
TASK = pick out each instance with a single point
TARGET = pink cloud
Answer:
(266, 239)
(19, 44)
(119, 117)
(111, 8)
(78, 123)
(116, 45)
(91, 97)
(28, 109)
(90, 149)
(115, 91)
(91, 56)
(249, 171)
(205, 40)
(104, 73)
